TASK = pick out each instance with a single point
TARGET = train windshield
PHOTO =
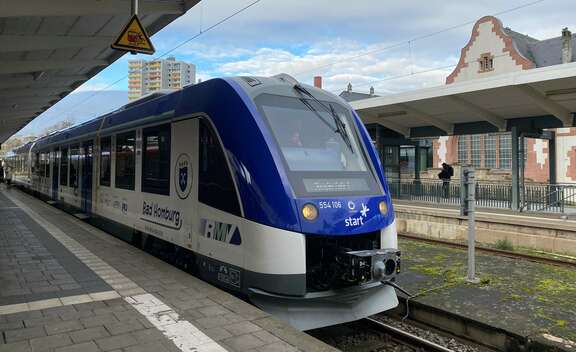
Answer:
(320, 146)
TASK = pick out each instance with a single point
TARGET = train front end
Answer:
(332, 174)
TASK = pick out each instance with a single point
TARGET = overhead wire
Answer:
(201, 32)
(399, 44)
(412, 73)
(417, 38)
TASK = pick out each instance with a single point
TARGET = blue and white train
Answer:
(264, 186)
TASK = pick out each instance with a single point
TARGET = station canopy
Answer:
(48, 48)
(531, 100)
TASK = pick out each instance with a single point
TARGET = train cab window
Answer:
(215, 185)
(105, 161)
(125, 160)
(64, 168)
(321, 147)
(74, 161)
(156, 159)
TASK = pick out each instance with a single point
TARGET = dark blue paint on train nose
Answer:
(345, 216)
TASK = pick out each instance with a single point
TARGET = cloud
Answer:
(305, 38)
(95, 86)
(339, 68)
(325, 37)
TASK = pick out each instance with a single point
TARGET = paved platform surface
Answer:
(66, 286)
(516, 295)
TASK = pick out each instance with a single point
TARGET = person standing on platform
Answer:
(445, 175)
(1, 170)
(7, 173)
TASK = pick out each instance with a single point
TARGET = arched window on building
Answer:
(505, 151)
(476, 150)
(486, 62)
(490, 151)
(463, 150)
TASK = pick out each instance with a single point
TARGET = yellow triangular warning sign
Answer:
(133, 38)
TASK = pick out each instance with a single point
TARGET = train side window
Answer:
(64, 168)
(55, 166)
(47, 164)
(105, 161)
(125, 160)
(215, 185)
(36, 164)
(74, 159)
(156, 159)
(41, 168)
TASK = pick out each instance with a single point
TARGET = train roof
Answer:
(160, 104)
(23, 148)
(127, 113)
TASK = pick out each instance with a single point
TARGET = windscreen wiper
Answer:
(311, 108)
(340, 126)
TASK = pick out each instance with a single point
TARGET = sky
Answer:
(392, 45)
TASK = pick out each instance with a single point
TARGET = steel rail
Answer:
(533, 258)
(406, 337)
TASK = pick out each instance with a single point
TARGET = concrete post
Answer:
(471, 184)
(468, 208)
(515, 170)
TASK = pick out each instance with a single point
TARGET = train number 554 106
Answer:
(330, 204)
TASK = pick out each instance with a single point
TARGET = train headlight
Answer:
(310, 212)
(383, 207)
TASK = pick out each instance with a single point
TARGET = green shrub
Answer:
(505, 245)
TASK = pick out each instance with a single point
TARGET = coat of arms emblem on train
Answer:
(183, 176)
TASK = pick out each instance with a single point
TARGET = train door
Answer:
(86, 184)
(219, 212)
(55, 173)
(184, 174)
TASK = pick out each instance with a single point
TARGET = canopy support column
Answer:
(417, 161)
(552, 157)
(515, 169)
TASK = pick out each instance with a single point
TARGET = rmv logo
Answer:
(222, 232)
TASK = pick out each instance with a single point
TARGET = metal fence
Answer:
(557, 198)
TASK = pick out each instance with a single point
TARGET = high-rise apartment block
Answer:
(149, 76)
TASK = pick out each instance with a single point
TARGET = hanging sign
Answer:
(134, 39)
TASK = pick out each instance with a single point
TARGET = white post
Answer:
(470, 183)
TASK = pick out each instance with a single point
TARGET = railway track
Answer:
(510, 254)
(408, 339)
(382, 334)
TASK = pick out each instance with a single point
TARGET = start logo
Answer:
(359, 220)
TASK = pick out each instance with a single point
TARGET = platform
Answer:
(525, 298)
(535, 231)
(66, 286)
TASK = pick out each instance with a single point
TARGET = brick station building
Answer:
(493, 50)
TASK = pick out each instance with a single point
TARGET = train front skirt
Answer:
(327, 308)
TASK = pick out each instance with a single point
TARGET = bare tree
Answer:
(68, 122)
(14, 142)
